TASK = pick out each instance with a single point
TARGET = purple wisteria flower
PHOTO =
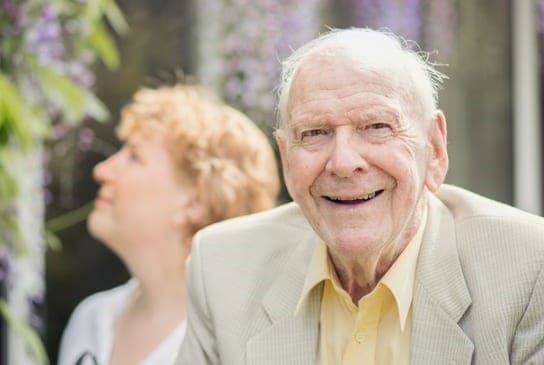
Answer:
(401, 17)
(44, 37)
(11, 18)
(251, 53)
(4, 265)
(37, 308)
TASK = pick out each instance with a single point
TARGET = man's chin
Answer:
(353, 242)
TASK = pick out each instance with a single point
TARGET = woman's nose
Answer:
(104, 171)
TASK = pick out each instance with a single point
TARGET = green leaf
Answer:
(27, 333)
(115, 16)
(93, 10)
(104, 45)
(17, 118)
(9, 223)
(63, 92)
(95, 108)
(52, 240)
(70, 218)
(8, 188)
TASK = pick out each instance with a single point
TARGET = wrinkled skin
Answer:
(359, 162)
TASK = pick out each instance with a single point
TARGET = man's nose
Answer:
(346, 157)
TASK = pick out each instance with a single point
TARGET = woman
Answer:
(188, 161)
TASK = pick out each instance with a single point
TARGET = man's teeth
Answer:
(364, 197)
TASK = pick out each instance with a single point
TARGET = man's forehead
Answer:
(328, 73)
(324, 69)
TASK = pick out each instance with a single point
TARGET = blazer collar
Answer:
(441, 296)
(290, 338)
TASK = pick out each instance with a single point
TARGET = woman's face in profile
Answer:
(140, 197)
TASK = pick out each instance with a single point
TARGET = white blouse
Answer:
(90, 329)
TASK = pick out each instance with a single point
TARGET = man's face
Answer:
(354, 159)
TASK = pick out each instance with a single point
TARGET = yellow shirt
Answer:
(377, 331)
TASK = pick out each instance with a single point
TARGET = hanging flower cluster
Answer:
(540, 15)
(47, 48)
(401, 17)
(250, 40)
(430, 23)
(46, 51)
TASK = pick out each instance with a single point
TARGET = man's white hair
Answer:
(374, 50)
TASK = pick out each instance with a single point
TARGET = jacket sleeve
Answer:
(199, 345)
(528, 343)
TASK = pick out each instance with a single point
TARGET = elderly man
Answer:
(375, 262)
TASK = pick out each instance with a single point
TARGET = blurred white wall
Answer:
(526, 105)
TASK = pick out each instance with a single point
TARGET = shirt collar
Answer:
(399, 278)
(317, 271)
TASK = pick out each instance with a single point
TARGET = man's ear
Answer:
(281, 140)
(438, 162)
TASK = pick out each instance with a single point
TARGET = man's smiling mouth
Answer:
(356, 200)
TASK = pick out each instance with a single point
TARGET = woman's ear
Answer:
(438, 162)
(191, 213)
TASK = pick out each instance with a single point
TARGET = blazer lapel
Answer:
(290, 338)
(441, 296)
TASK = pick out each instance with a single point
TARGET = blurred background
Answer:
(490, 50)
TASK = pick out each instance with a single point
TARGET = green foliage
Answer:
(57, 224)
(37, 88)
(32, 339)
(18, 125)
(17, 122)
(47, 48)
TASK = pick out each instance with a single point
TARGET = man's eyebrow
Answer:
(305, 123)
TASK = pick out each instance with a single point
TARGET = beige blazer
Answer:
(479, 289)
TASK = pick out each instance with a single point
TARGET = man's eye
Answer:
(313, 133)
(377, 126)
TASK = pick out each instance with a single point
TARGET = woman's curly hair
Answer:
(215, 147)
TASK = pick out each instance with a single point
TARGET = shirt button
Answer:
(360, 337)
